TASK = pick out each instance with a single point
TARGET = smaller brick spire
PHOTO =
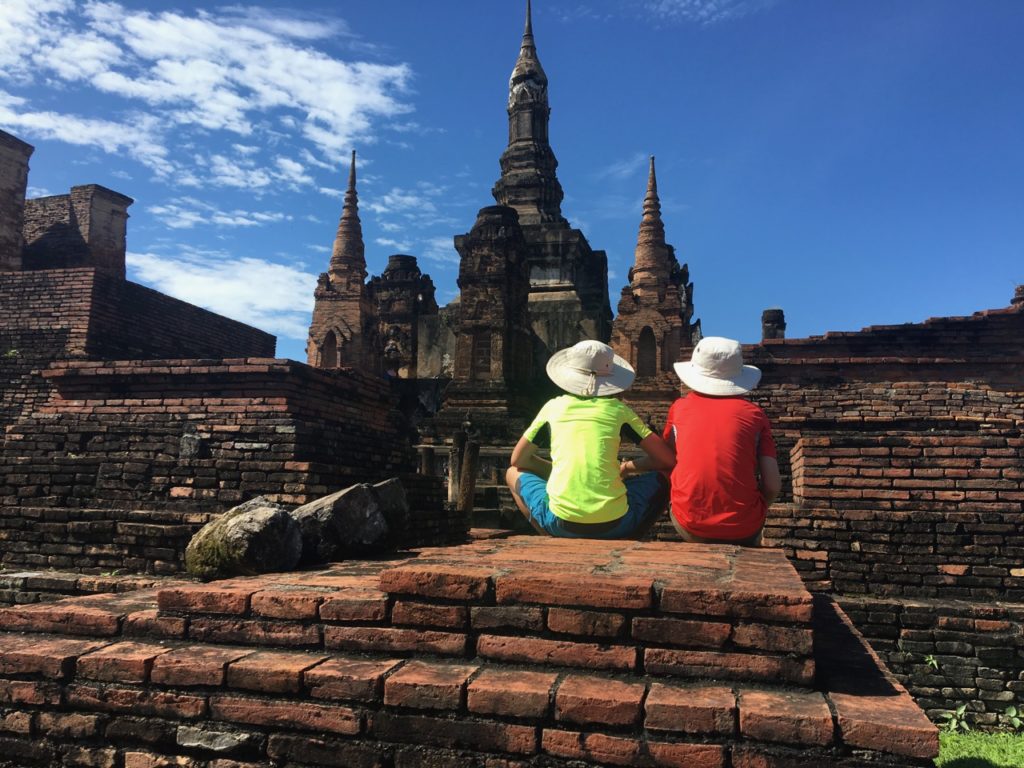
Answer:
(528, 65)
(348, 259)
(650, 261)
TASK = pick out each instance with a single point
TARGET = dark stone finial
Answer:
(1018, 297)
(773, 324)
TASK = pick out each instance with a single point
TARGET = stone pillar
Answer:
(773, 324)
(103, 221)
(14, 155)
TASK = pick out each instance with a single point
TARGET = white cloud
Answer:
(37, 192)
(231, 72)
(187, 212)
(705, 11)
(400, 201)
(399, 246)
(274, 297)
(623, 169)
(441, 250)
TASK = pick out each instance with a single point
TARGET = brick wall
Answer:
(48, 315)
(14, 155)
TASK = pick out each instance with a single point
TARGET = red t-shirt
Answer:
(714, 484)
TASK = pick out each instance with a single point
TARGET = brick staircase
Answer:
(500, 653)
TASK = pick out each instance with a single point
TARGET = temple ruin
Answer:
(130, 419)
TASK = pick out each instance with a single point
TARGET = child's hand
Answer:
(626, 468)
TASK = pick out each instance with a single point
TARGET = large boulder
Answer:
(258, 536)
(355, 521)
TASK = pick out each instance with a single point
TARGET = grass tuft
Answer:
(980, 750)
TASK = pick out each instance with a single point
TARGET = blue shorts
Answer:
(641, 493)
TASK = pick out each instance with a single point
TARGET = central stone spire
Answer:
(528, 182)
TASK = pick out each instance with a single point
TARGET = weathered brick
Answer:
(134, 701)
(421, 685)
(568, 621)
(40, 655)
(449, 582)
(596, 747)
(787, 716)
(511, 693)
(678, 755)
(127, 662)
(891, 724)
(681, 632)
(536, 650)
(223, 598)
(690, 710)
(462, 733)
(622, 593)
(526, 617)
(194, 665)
(765, 637)
(320, 751)
(418, 614)
(349, 679)
(585, 700)
(730, 666)
(286, 714)
(69, 725)
(271, 671)
(391, 640)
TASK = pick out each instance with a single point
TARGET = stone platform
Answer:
(494, 654)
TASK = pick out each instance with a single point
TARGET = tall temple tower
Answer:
(343, 332)
(653, 322)
(568, 279)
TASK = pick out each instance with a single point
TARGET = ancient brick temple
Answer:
(130, 419)
(653, 328)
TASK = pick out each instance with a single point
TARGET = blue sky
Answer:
(855, 162)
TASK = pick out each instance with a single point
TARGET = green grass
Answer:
(980, 750)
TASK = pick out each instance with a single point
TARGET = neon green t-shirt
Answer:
(585, 486)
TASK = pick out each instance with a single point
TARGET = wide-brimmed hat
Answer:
(716, 368)
(590, 368)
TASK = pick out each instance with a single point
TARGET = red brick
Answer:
(151, 624)
(150, 760)
(391, 640)
(355, 605)
(27, 692)
(511, 693)
(417, 614)
(729, 666)
(194, 665)
(741, 603)
(568, 621)
(296, 604)
(126, 662)
(533, 650)
(40, 655)
(765, 637)
(527, 617)
(460, 733)
(787, 716)
(206, 598)
(690, 710)
(248, 632)
(66, 618)
(681, 632)
(271, 671)
(750, 757)
(687, 755)
(421, 685)
(67, 725)
(583, 700)
(136, 702)
(289, 748)
(442, 581)
(892, 724)
(573, 589)
(597, 747)
(16, 722)
(286, 714)
(349, 679)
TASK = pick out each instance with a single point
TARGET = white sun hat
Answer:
(590, 368)
(716, 368)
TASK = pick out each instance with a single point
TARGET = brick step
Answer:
(63, 694)
(709, 613)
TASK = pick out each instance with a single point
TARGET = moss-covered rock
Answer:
(258, 536)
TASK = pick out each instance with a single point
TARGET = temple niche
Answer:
(401, 295)
(654, 324)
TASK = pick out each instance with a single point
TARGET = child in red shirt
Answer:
(726, 473)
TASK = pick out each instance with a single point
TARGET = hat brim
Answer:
(576, 382)
(747, 380)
